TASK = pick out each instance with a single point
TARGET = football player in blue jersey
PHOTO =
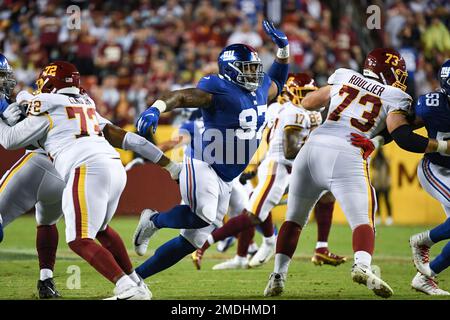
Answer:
(233, 104)
(433, 111)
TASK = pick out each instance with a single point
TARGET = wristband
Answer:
(442, 146)
(283, 53)
(160, 105)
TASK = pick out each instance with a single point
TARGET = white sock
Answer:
(282, 262)
(134, 276)
(269, 240)
(125, 281)
(240, 259)
(363, 257)
(45, 274)
(321, 245)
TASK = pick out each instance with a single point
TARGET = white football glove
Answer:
(174, 168)
(12, 114)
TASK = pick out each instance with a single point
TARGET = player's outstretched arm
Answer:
(279, 70)
(402, 133)
(315, 100)
(125, 140)
(185, 98)
(292, 142)
(24, 133)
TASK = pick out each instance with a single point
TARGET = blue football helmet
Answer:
(240, 63)
(444, 77)
(7, 81)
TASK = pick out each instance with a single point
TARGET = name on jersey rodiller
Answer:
(366, 85)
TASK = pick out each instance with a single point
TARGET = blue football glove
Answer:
(277, 36)
(148, 119)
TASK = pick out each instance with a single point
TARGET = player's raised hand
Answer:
(364, 143)
(276, 35)
(147, 120)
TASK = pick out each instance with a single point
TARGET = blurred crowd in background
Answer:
(128, 52)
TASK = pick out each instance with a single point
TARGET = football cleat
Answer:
(144, 287)
(324, 256)
(363, 274)
(144, 231)
(275, 286)
(196, 257)
(135, 292)
(421, 253)
(47, 289)
(224, 245)
(264, 253)
(235, 263)
(427, 285)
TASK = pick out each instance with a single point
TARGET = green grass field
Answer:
(19, 268)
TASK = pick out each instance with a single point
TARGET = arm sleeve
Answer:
(278, 73)
(408, 140)
(25, 133)
(141, 146)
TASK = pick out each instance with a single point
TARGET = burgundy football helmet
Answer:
(296, 88)
(387, 66)
(58, 75)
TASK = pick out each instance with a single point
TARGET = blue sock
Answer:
(179, 217)
(165, 256)
(441, 232)
(442, 261)
(1, 232)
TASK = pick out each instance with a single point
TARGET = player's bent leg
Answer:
(200, 189)
(232, 227)
(111, 241)
(166, 256)
(274, 179)
(304, 192)
(435, 180)
(103, 261)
